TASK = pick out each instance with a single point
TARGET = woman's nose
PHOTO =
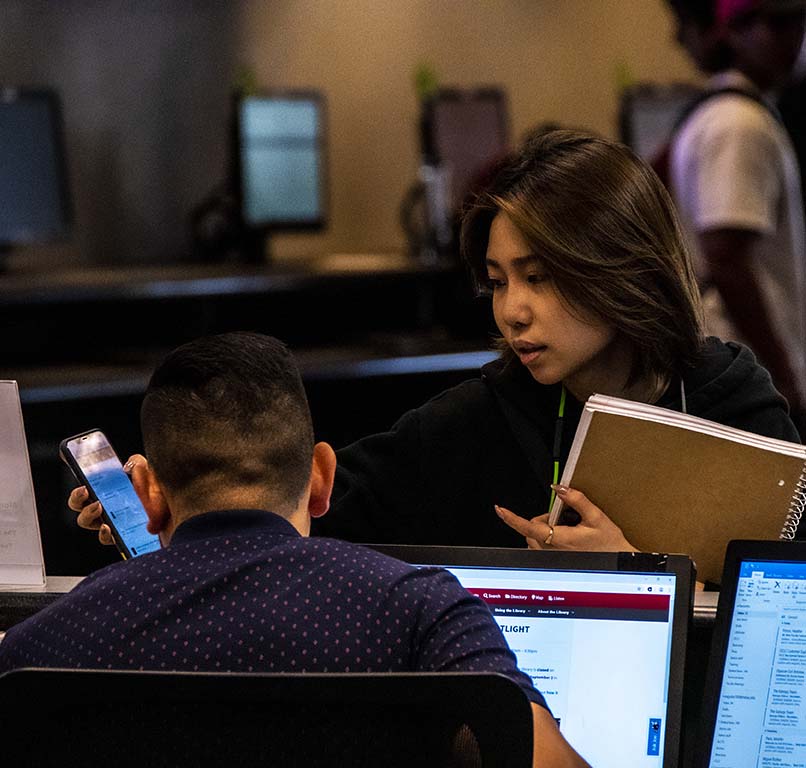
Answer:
(516, 310)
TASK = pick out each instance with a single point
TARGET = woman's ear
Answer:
(323, 473)
(151, 495)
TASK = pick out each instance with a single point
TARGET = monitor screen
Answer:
(552, 619)
(280, 159)
(602, 635)
(466, 131)
(760, 714)
(33, 190)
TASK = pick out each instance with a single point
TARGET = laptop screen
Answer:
(597, 642)
(759, 674)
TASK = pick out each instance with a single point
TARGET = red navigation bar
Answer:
(550, 598)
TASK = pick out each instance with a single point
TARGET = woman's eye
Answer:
(536, 277)
(492, 283)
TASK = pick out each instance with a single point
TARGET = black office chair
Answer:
(97, 718)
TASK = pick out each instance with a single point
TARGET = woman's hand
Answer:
(89, 514)
(596, 532)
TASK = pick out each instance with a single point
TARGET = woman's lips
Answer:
(530, 355)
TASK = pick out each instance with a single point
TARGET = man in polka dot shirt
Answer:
(228, 434)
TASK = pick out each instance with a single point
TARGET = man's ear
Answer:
(149, 490)
(323, 473)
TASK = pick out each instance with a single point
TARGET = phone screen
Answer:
(111, 485)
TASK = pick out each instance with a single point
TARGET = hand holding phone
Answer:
(88, 513)
(95, 465)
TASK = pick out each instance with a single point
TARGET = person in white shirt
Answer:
(736, 181)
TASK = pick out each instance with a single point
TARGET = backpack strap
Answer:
(707, 95)
(662, 160)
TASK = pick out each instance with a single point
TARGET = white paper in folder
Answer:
(21, 560)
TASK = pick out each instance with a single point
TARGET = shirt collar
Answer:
(733, 78)
(232, 522)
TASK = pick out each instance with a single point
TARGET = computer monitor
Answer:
(602, 634)
(464, 131)
(34, 200)
(753, 705)
(279, 166)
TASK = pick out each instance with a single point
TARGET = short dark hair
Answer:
(604, 229)
(229, 410)
(700, 12)
(740, 14)
(713, 54)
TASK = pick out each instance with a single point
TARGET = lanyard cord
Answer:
(558, 439)
(558, 435)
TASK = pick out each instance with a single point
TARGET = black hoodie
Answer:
(435, 476)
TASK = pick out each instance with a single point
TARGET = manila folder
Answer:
(673, 489)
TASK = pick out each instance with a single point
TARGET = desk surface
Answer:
(60, 383)
(18, 603)
(128, 317)
(78, 284)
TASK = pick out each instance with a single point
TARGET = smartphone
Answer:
(95, 465)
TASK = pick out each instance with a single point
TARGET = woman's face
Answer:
(554, 341)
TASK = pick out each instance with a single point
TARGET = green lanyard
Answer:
(558, 439)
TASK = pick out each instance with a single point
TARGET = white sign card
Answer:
(21, 560)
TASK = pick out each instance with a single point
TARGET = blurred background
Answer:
(147, 150)
(145, 89)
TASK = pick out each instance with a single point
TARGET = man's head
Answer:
(225, 424)
(765, 37)
(700, 34)
(761, 38)
(737, 11)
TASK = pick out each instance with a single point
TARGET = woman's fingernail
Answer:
(560, 490)
(127, 467)
(498, 510)
(82, 492)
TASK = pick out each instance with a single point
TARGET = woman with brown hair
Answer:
(592, 290)
(577, 243)
(591, 287)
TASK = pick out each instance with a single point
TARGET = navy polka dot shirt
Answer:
(242, 591)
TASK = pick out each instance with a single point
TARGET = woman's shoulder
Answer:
(728, 371)
(729, 386)
(500, 383)
(473, 393)
(463, 401)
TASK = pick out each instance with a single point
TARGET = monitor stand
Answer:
(254, 247)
